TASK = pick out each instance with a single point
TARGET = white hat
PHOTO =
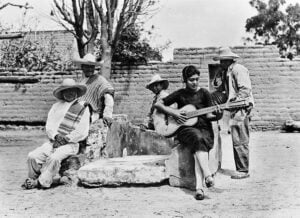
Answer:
(157, 79)
(88, 59)
(69, 84)
(225, 54)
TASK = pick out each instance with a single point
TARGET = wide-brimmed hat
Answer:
(225, 53)
(88, 59)
(69, 84)
(157, 79)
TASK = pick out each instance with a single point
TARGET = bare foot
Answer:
(30, 183)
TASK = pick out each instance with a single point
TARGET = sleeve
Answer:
(242, 79)
(108, 105)
(82, 129)
(51, 129)
(172, 98)
(109, 89)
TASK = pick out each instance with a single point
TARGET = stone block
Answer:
(123, 136)
(97, 140)
(180, 168)
(144, 169)
(69, 168)
(291, 126)
(180, 165)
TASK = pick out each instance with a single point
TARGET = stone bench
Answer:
(175, 161)
(122, 136)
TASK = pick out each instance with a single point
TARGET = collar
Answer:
(192, 91)
(72, 102)
(231, 66)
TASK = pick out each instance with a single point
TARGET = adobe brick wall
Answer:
(275, 81)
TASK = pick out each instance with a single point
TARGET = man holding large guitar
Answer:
(198, 135)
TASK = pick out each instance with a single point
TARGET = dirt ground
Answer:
(273, 189)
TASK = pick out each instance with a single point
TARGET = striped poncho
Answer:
(97, 87)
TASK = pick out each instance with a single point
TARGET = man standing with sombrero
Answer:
(67, 124)
(99, 92)
(100, 96)
(238, 87)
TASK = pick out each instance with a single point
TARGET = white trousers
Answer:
(44, 162)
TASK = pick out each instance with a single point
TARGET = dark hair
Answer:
(189, 71)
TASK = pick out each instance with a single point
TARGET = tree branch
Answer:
(99, 8)
(26, 6)
(65, 15)
(120, 24)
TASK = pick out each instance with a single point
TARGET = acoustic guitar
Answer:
(167, 126)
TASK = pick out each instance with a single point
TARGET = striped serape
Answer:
(71, 118)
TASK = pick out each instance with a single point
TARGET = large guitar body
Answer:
(167, 125)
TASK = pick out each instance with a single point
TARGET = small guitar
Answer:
(167, 125)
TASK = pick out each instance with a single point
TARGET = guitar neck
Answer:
(232, 105)
(207, 110)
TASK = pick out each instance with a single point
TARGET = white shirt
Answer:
(56, 116)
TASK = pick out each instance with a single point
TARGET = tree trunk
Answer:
(106, 52)
(92, 22)
(106, 67)
(80, 47)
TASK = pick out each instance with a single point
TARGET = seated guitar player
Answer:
(199, 137)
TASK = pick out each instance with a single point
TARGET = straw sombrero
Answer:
(69, 84)
(225, 54)
(157, 79)
(88, 59)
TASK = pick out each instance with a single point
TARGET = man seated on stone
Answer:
(67, 124)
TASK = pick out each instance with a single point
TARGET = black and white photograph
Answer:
(150, 108)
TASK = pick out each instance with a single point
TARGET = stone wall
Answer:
(276, 84)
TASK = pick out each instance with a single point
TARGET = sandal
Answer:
(30, 183)
(199, 194)
(209, 181)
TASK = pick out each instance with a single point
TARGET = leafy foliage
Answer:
(34, 55)
(132, 49)
(264, 25)
(273, 26)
